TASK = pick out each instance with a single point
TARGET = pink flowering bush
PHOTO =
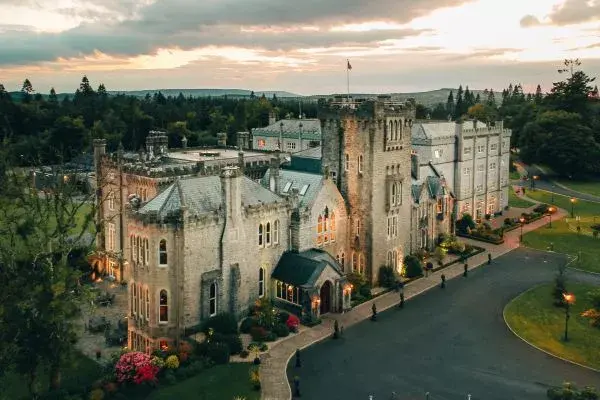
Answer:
(128, 367)
(292, 323)
(146, 373)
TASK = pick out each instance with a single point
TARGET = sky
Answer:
(300, 46)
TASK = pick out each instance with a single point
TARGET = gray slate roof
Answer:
(304, 269)
(313, 152)
(310, 128)
(434, 130)
(433, 183)
(298, 181)
(202, 195)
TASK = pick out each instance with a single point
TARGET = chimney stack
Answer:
(231, 194)
(275, 175)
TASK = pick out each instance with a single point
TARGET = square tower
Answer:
(368, 146)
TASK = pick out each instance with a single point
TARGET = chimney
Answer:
(272, 118)
(231, 194)
(99, 152)
(414, 164)
(275, 175)
(222, 139)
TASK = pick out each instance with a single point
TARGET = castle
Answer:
(194, 237)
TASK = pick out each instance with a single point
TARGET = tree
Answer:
(27, 90)
(40, 290)
(538, 95)
(572, 94)
(458, 109)
(52, 97)
(85, 88)
(450, 104)
(101, 90)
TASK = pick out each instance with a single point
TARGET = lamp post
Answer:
(550, 211)
(573, 200)
(569, 299)
(522, 221)
(534, 178)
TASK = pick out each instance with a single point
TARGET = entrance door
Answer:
(326, 297)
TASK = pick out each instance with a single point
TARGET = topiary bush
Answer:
(387, 277)
(465, 224)
(218, 352)
(224, 323)
(283, 316)
(413, 267)
(281, 330)
(247, 324)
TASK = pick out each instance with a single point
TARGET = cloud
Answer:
(571, 12)
(482, 54)
(124, 28)
(529, 20)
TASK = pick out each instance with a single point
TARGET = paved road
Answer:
(546, 183)
(448, 342)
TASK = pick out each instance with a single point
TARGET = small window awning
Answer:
(304, 268)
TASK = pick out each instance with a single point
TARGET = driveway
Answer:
(450, 343)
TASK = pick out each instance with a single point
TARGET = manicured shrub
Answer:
(387, 277)
(365, 291)
(172, 362)
(255, 378)
(292, 323)
(283, 316)
(232, 341)
(170, 378)
(248, 323)
(218, 352)
(465, 224)
(224, 323)
(263, 347)
(541, 208)
(413, 266)
(456, 247)
(281, 330)
(258, 333)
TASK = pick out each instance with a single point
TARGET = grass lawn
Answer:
(534, 317)
(219, 382)
(516, 201)
(584, 187)
(582, 207)
(82, 373)
(562, 238)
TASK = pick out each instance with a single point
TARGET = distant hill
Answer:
(429, 98)
(208, 92)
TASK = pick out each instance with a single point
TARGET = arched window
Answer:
(393, 194)
(147, 304)
(276, 232)
(139, 249)
(360, 163)
(395, 130)
(141, 301)
(260, 234)
(320, 230)
(132, 247)
(361, 267)
(134, 298)
(143, 251)
(357, 227)
(355, 265)
(332, 226)
(162, 252)
(398, 193)
(261, 282)
(147, 246)
(268, 231)
(212, 299)
(391, 131)
(163, 311)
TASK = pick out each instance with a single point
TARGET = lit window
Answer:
(212, 300)
(162, 252)
(260, 234)
(440, 205)
(358, 228)
(163, 311)
(261, 143)
(354, 262)
(147, 247)
(320, 230)
(437, 153)
(332, 226)
(276, 232)
(360, 164)
(261, 282)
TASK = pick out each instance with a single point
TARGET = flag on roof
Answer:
(349, 66)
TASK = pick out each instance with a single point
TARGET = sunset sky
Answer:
(298, 46)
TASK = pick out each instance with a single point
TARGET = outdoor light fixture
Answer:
(569, 299)
(522, 221)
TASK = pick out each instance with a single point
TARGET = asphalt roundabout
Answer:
(446, 342)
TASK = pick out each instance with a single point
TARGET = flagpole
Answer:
(348, 79)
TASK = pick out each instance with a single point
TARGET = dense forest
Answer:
(560, 129)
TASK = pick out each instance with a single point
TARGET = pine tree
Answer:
(458, 109)
(52, 98)
(450, 104)
(491, 99)
(538, 95)
(101, 90)
(85, 89)
(477, 99)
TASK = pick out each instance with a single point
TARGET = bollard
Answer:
(298, 364)
(489, 258)
(401, 300)
(466, 270)
(374, 310)
(443, 281)
(296, 386)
